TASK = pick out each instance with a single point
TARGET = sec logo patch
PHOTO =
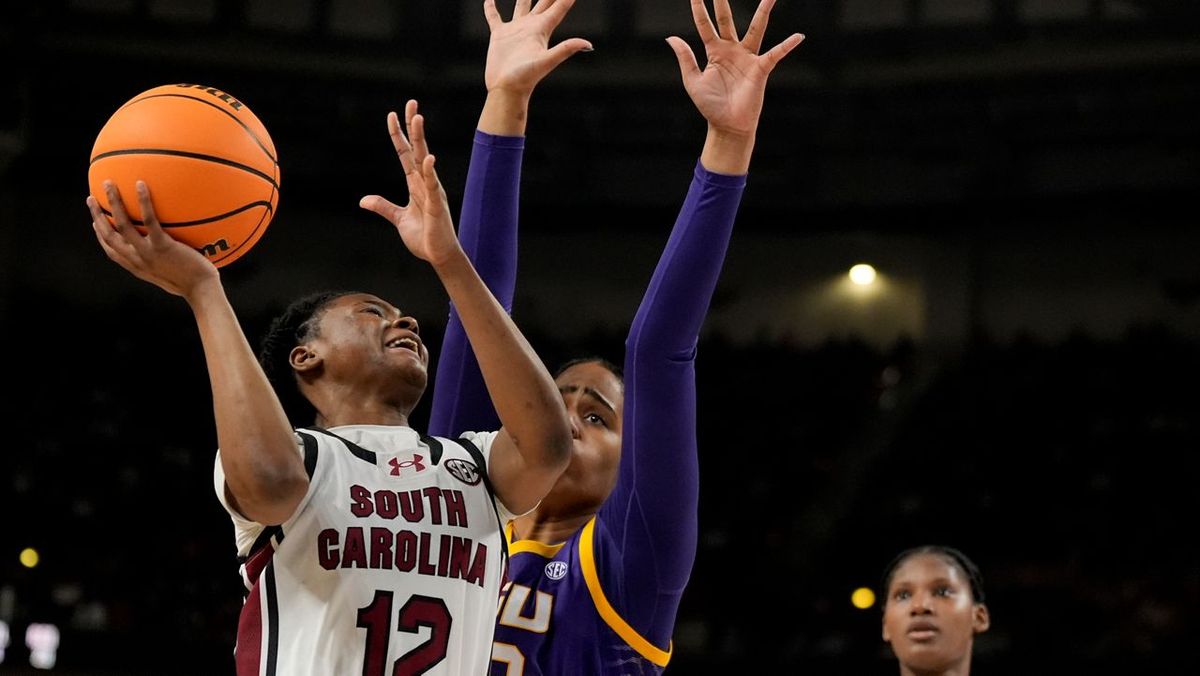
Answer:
(464, 471)
(556, 570)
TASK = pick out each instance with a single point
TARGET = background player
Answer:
(369, 548)
(599, 567)
(933, 609)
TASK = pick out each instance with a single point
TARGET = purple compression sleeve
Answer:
(651, 515)
(460, 398)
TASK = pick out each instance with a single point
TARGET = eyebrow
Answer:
(386, 307)
(589, 391)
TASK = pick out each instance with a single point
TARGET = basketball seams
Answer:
(190, 155)
(204, 221)
(235, 118)
(251, 238)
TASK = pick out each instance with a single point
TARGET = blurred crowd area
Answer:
(1066, 470)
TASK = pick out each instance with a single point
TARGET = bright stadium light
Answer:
(862, 274)
(29, 557)
(862, 598)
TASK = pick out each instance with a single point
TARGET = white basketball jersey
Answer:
(391, 564)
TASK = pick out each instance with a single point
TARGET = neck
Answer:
(550, 529)
(960, 668)
(339, 413)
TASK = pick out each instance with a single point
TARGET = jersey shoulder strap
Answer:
(477, 456)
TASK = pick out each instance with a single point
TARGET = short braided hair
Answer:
(296, 324)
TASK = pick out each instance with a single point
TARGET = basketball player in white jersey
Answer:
(367, 547)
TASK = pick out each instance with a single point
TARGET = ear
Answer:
(304, 359)
(982, 620)
(887, 635)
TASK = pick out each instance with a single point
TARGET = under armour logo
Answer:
(417, 462)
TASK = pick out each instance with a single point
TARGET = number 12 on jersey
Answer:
(419, 611)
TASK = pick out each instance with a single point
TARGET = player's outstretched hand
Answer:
(155, 257)
(424, 224)
(729, 91)
(519, 53)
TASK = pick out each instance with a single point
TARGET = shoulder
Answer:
(480, 440)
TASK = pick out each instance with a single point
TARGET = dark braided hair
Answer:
(601, 361)
(960, 560)
(296, 324)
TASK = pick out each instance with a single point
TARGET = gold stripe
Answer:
(530, 546)
(587, 560)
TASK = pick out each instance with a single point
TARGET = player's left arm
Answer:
(519, 57)
(533, 447)
(652, 513)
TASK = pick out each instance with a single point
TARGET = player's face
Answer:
(595, 399)
(366, 344)
(930, 617)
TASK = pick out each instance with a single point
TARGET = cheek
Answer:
(600, 457)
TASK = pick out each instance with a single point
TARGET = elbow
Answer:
(269, 498)
(560, 448)
(556, 442)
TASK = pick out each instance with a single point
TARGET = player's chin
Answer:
(926, 656)
(414, 373)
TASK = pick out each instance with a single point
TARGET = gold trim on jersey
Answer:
(530, 546)
(587, 560)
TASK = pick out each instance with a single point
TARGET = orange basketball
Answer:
(209, 162)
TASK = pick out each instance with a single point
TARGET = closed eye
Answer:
(373, 310)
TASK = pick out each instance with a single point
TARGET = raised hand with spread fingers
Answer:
(519, 56)
(729, 91)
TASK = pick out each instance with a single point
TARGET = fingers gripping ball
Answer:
(208, 160)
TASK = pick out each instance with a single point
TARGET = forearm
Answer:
(673, 309)
(488, 234)
(258, 451)
(524, 394)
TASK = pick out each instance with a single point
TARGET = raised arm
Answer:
(534, 444)
(264, 475)
(519, 57)
(651, 513)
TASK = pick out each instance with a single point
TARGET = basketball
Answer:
(208, 160)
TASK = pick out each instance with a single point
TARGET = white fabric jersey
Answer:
(391, 564)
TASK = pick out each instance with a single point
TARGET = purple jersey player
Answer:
(597, 570)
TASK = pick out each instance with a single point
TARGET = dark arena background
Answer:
(1021, 380)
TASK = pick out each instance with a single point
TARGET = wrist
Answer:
(450, 262)
(205, 293)
(505, 112)
(727, 151)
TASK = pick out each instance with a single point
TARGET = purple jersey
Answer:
(604, 602)
(555, 616)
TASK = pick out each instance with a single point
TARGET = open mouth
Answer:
(403, 344)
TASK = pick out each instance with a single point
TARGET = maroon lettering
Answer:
(327, 551)
(435, 505)
(354, 553)
(381, 548)
(456, 508)
(460, 557)
(406, 550)
(443, 555)
(362, 506)
(385, 504)
(479, 568)
(424, 565)
(411, 507)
